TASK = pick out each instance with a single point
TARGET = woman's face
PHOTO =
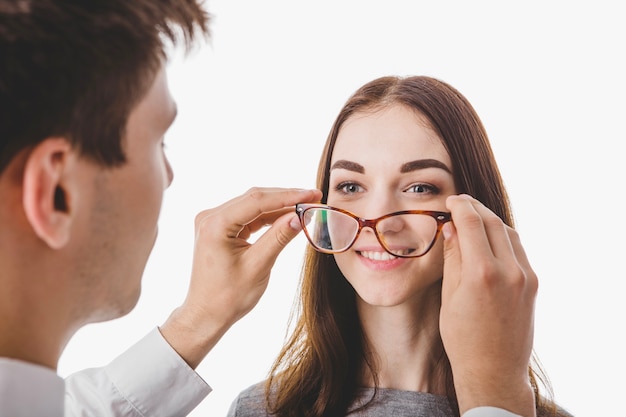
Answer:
(383, 162)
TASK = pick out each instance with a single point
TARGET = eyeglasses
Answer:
(404, 234)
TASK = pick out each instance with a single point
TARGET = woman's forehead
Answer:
(391, 133)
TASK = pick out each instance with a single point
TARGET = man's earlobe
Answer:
(44, 197)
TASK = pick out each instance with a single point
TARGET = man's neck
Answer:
(32, 329)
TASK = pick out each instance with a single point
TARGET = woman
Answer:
(407, 312)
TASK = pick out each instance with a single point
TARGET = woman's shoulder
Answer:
(255, 392)
(250, 402)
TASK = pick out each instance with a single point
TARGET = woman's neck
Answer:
(404, 344)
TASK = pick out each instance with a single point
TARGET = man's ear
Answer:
(45, 197)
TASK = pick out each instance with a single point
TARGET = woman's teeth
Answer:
(382, 256)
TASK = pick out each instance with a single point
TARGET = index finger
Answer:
(246, 208)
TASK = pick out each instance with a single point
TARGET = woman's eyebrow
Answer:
(423, 164)
(349, 165)
(407, 167)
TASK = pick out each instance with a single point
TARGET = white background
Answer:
(256, 104)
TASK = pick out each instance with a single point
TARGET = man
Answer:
(84, 106)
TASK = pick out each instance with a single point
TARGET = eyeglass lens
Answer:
(404, 235)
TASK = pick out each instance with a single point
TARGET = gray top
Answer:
(388, 402)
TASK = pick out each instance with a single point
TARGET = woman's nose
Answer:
(392, 224)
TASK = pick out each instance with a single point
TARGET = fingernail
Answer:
(295, 223)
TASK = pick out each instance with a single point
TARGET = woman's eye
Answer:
(348, 188)
(422, 189)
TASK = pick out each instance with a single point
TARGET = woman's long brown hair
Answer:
(317, 372)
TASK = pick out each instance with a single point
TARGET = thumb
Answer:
(451, 257)
(273, 241)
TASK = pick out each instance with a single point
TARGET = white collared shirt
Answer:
(28, 390)
(149, 379)
(488, 412)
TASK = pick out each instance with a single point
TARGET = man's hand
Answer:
(229, 274)
(487, 309)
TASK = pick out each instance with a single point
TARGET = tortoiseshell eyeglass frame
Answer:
(441, 217)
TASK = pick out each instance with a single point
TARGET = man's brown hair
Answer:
(76, 68)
